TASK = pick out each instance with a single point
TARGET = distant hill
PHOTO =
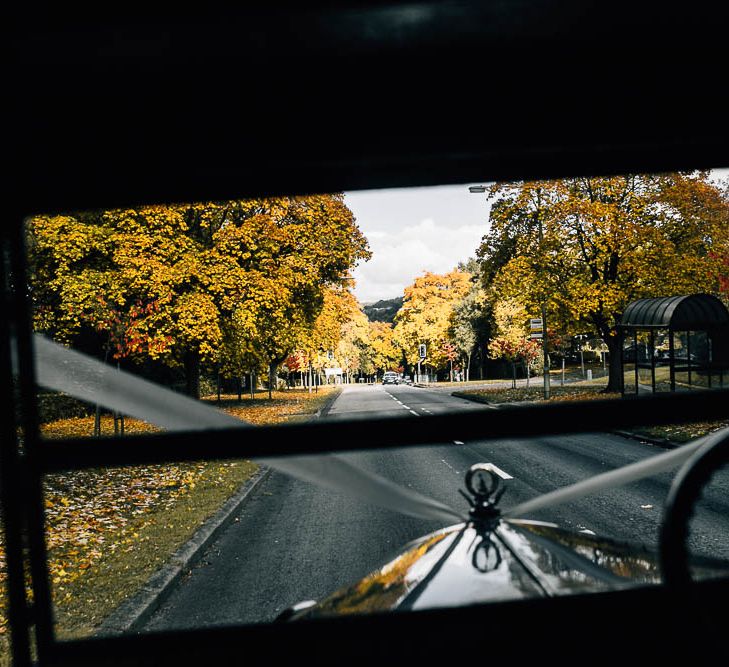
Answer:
(383, 310)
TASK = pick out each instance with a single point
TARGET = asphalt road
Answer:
(294, 541)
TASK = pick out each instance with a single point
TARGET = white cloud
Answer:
(413, 230)
(401, 255)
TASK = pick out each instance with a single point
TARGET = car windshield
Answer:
(360, 305)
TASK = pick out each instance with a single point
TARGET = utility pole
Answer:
(544, 319)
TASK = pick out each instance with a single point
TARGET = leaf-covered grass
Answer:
(681, 433)
(571, 392)
(121, 541)
(108, 530)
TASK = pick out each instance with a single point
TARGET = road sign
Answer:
(536, 334)
(536, 324)
(422, 351)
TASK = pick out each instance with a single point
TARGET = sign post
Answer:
(536, 326)
(422, 353)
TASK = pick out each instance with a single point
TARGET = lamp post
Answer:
(481, 189)
(544, 326)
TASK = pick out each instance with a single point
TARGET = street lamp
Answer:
(481, 189)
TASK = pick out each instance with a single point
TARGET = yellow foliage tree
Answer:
(384, 354)
(236, 282)
(586, 247)
(425, 316)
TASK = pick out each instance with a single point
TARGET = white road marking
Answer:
(457, 442)
(449, 465)
(498, 471)
(413, 412)
(587, 531)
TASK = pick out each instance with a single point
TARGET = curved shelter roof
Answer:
(683, 313)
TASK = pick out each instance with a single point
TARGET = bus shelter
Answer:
(674, 343)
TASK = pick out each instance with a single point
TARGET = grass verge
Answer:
(577, 391)
(593, 390)
(109, 530)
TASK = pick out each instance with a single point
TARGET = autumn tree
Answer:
(586, 247)
(385, 355)
(425, 315)
(353, 342)
(470, 320)
(234, 281)
(511, 340)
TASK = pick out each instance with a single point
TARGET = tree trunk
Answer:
(240, 390)
(192, 373)
(614, 366)
(252, 377)
(468, 368)
(271, 371)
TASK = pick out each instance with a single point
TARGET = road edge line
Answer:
(134, 612)
(658, 442)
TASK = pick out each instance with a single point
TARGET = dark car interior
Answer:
(181, 103)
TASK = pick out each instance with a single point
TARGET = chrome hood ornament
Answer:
(486, 489)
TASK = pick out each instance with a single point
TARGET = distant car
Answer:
(407, 380)
(390, 377)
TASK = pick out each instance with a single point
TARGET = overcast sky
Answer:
(414, 230)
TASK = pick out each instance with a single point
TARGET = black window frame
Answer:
(679, 140)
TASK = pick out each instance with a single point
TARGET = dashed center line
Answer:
(449, 465)
(402, 405)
